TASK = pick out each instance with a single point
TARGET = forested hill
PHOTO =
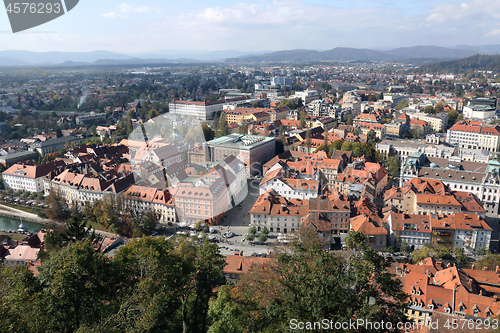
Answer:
(466, 65)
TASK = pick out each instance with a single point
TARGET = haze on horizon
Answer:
(134, 27)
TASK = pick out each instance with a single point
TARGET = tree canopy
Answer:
(306, 283)
(151, 285)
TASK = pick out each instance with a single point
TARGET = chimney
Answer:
(481, 292)
(241, 253)
(495, 298)
(449, 265)
(485, 268)
(497, 270)
(473, 266)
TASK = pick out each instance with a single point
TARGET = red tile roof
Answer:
(362, 223)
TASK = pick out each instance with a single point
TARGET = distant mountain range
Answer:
(434, 53)
(477, 62)
(352, 54)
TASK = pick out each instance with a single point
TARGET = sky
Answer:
(259, 25)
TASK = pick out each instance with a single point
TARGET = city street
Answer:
(239, 216)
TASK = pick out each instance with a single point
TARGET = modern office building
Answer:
(201, 110)
(252, 150)
(481, 108)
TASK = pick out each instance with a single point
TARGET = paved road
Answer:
(239, 243)
(240, 216)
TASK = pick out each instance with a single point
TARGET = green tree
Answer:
(244, 127)
(226, 315)
(207, 132)
(444, 252)
(19, 293)
(337, 144)
(371, 136)
(350, 120)
(77, 287)
(417, 132)
(357, 151)
(222, 129)
(57, 207)
(170, 284)
(258, 104)
(405, 248)
(402, 104)
(429, 109)
(355, 240)
(439, 107)
(105, 212)
(76, 230)
(393, 165)
(347, 146)
(263, 238)
(459, 254)
(215, 123)
(424, 252)
(488, 262)
(302, 119)
(304, 282)
(452, 117)
(321, 148)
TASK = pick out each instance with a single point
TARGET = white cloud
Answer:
(251, 25)
(468, 12)
(130, 8)
(113, 16)
(494, 32)
(277, 24)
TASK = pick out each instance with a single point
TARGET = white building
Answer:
(467, 231)
(403, 149)
(481, 108)
(351, 100)
(290, 188)
(28, 177)
(80, 188)
(201, 110)
(141, 199)
(479, 112)
(438, 122)
(480, 179)
(307, 95)
(474, 135)
(278, 214)
(414, 230)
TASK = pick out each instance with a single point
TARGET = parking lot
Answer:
(238, 242)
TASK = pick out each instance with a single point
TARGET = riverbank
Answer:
(20, 214)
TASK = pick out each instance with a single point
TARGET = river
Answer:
(8, 223)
